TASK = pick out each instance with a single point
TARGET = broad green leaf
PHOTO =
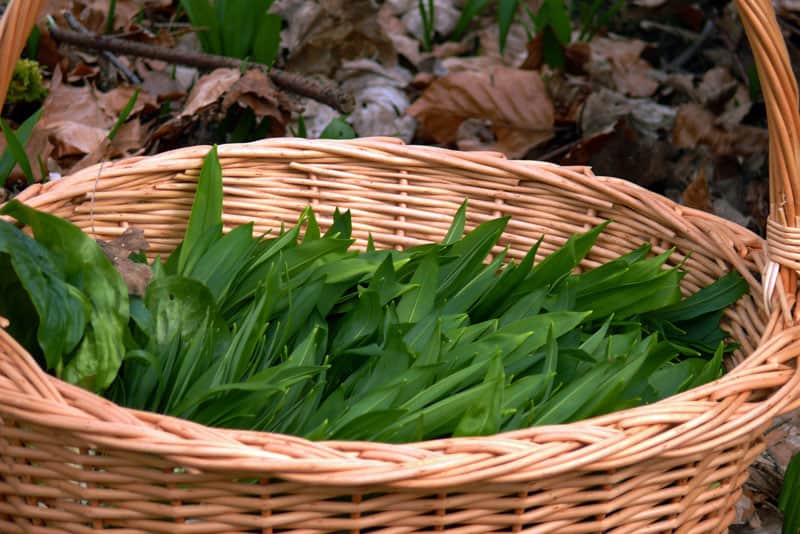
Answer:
(61, 308)
(672, 379)
(506, 10)
(456, 230)
(559, 20)
(206, 214)
(550, 362)
(267, 42)
(485, 416)
(490, 304)
(361, 323)
(203, 16)
(469, 11)
(561, 262)
(560, 408)
(342, 226)
(720, 294)
(436, 420)
(790, 497)
(473, 290)
(419, 302)
(86, 267)
(468, 254)
(338, 128)
(224, 260)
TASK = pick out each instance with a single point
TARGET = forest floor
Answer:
(662, 93)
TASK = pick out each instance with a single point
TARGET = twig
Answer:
(684, 34)
(76, 25)
(687, 54)
(326, 93)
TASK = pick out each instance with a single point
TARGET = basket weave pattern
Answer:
(73, 462)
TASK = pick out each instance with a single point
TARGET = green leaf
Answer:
(361, 323)
(506, 10)
(203, 17)
(86, 267)
(473, 290)
(456, 230)
(237, 25)
(790, 497)
(124, 114)
(560, 408)
(206, 214)
(561, 262)
(222, 263)
(342, 226)
(471, 9)
(17, 150)
(468, 254)
(559, 21)
(338, 128)
(492, 302)
(673, 379)
(61, 308)
(550, 362)
(267, 42)
(23, 133)
(720, 294)
(484, 416)
(419, 302)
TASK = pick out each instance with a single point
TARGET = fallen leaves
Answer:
(217, 92)
(695, 125)
(620, 60)
(325, 33)
(514, 101)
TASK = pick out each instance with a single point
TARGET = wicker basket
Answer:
(73, 462)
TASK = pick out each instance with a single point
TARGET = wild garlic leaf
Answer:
(206, 214)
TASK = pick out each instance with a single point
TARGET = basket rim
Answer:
(686, 424)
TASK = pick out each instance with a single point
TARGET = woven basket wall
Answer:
(73, 462)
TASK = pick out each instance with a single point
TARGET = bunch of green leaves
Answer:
(236, 28)
(298, 333)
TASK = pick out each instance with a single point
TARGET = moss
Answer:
(27, 83)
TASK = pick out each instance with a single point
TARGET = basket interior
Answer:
(405, 195)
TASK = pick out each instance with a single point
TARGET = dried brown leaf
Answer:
(323, 34)
(161, 85)
(619, 62)
(697, 195)
(256, 91)
(208, 90)
(694, 125)
(717, 86)
(118, 250)
(115, 100)
(515, 101)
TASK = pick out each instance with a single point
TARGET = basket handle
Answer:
(778, 85)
